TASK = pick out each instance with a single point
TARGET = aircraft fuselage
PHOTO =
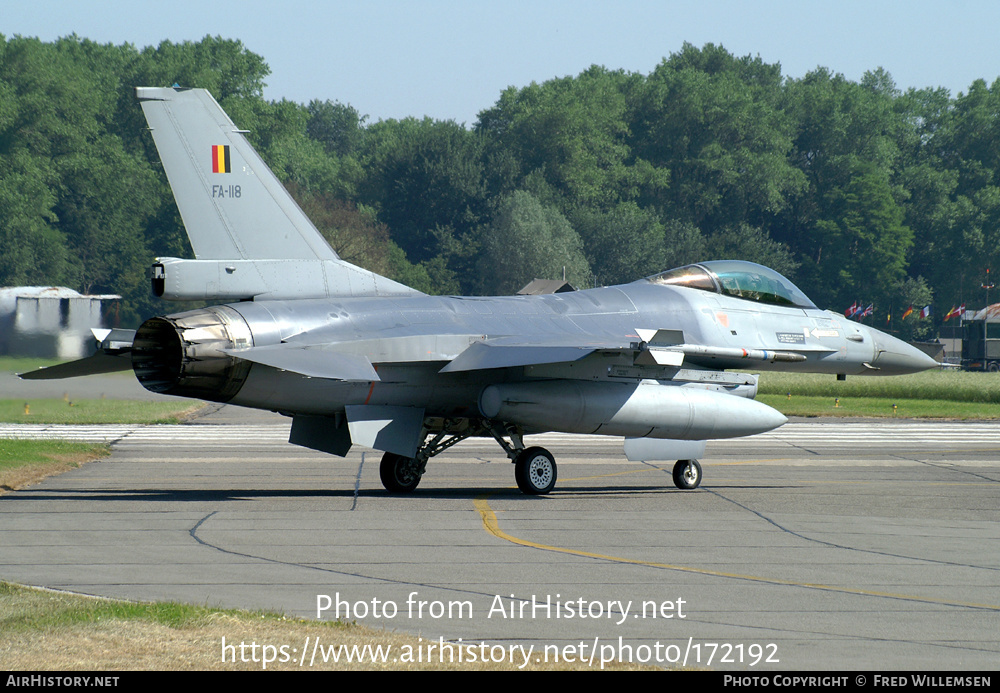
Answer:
(410, 339)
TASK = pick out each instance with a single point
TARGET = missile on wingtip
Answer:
(630, 410)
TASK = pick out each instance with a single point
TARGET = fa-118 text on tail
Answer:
(357, 359)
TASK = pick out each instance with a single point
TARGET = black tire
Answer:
(687, 474)
(399, 474)
(535, 471)
(993, 367)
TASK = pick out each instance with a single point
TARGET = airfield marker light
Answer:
(789, 395)
(893, 409)
(27, 409)
(836, 402)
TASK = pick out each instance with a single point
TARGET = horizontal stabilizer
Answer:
(113, 355)
(92, 365)
(311, 361)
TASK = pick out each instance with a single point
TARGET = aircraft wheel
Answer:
(399, 474)
(687, 474)
(535, 471)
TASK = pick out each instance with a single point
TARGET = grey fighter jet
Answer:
(357, 359)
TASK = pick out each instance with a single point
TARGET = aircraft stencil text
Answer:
(231, 191)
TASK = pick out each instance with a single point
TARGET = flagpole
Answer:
(986, 318)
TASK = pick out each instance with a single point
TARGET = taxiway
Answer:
(845, 545)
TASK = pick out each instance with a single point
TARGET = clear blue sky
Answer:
(452, 58)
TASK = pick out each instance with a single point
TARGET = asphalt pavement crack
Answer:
(834, 545)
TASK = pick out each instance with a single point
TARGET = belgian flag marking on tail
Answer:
(220, 158)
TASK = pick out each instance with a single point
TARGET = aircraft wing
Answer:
(497, 354)
(312, 361)
(648, 347)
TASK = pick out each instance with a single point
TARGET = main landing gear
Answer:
(535, 471)
(399, 474)
(534, 468)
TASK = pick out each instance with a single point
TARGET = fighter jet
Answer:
(355, 358)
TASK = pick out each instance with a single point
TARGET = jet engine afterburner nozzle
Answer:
(182, 354)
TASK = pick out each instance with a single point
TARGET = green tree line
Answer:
(858, 191)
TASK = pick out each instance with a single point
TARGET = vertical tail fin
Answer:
(235, 209)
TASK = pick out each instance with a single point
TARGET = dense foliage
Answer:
(858, 191)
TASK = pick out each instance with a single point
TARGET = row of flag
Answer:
(858, 311)
(925, 312)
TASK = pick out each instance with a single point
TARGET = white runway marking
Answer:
(856, 434)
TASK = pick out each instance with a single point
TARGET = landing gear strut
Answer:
(402, 474)
(534, 467)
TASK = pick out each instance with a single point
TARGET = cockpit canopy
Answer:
(746, 280)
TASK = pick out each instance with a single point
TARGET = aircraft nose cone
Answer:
(896, 357)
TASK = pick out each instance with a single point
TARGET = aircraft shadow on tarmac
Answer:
(223, 495)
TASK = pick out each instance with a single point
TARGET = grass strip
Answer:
(42, 630)
(95, 411)
(952, 385)
(26, 462)
(879, 407)
(23, 364)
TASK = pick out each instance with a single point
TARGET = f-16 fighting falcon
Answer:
(358, 359)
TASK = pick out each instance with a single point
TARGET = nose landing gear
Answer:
(687, 474)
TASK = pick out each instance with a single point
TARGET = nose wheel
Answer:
(687, 474)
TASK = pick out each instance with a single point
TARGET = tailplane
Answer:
(249, 236)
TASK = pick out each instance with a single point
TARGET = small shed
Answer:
(51, 321)
(990, 313)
